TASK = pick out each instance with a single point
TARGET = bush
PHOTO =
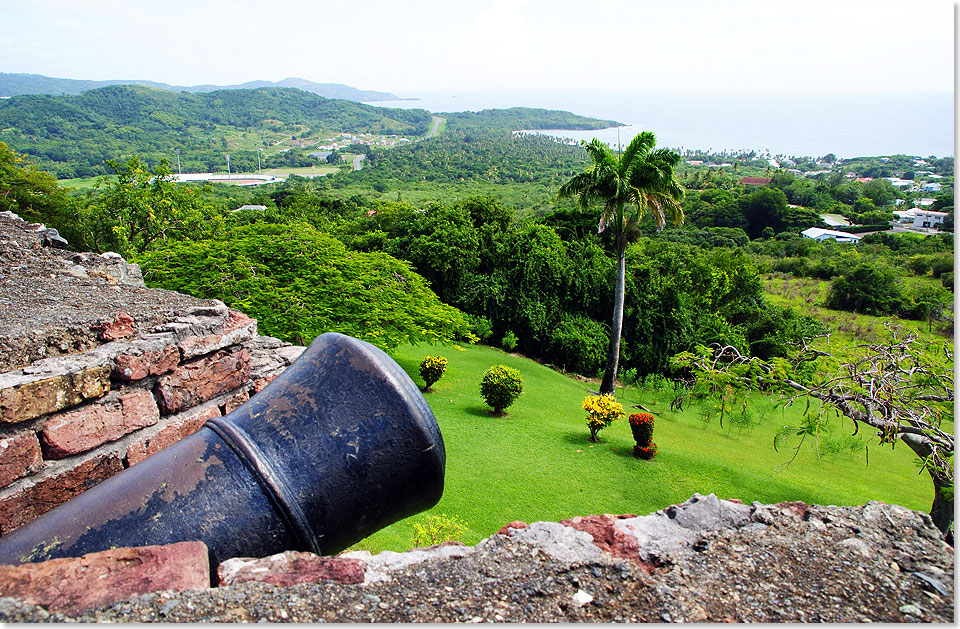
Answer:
(431, 369)
(641, 425)
(579, 344)
(509, 341)
(867, 289)
(602, 410)
(438, 528)
(500, 386)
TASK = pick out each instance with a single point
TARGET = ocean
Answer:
(808, 124)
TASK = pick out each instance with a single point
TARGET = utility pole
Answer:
(178, 162)
(228, 165)
(258, 161)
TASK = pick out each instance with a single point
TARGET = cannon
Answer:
(339, 445)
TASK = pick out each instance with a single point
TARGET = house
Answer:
(864, 179)
(816, 233)
(755, 181)
(925, 202)
(258, 208)
(931, 187)
(927, 218)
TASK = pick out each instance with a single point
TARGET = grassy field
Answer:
(538, 464)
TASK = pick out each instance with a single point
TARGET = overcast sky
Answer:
(410, 46)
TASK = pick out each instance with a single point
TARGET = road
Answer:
(436, 127)
(357, 162)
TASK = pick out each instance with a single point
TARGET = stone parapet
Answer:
(103, 372)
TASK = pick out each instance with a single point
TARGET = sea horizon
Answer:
(814, 124)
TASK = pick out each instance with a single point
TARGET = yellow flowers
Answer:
(602, 410)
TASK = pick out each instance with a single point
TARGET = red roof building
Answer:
(755, 181)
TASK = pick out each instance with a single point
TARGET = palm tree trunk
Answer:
(613, 353)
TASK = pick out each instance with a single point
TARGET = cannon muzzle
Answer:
(338, 446)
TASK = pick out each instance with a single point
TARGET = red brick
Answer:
(195, 382)
(259, 383)
(289, 568)
(19, 456)
(32, 399)
(176, 428)
(85, 428)
(54, 489)
(149, 363)
(237, 328)
(516, 524)
(75, 584)
(120, 327)
(235, 401)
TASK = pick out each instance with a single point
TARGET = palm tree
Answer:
(641, 178)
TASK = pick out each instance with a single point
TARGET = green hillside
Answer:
(537, 463)
(75, 135)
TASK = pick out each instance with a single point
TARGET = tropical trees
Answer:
(641, 179)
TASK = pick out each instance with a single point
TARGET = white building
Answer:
(817, 233)
(931, 187)
(927, 218)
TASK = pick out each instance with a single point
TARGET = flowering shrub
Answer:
(438, 528)
(645, 452)
(602, 410)
(431, 369)
(500, 386)
(641, 425)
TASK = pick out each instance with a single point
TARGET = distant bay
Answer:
(847, 125)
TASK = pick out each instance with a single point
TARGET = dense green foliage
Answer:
(520, 118)
(75, 136)
(300, 283)
(500, 387)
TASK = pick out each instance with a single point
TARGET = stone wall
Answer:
(101, 372)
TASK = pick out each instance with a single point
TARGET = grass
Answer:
(538, 464)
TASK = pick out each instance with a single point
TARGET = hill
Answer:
(75, 135)
(17, 84)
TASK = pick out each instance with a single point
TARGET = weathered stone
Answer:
(516, 524)
(379, 567)
(290, 567)
(560, 542)
(235, 401)
(196, 382)
(87, 427)
(19, 456)
(73, 585)
(170, 431)
(150, 358)
(53, 486)
(120, 327)
(28, 396)
(237, 328)
(606, 536)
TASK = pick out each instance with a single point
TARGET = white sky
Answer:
(409, 46)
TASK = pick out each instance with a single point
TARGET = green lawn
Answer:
(537, 463)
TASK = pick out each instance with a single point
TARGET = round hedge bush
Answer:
(432, 369)
(500, 387)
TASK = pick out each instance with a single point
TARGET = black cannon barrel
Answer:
(338, 446)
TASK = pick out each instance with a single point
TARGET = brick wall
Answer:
(69, 422)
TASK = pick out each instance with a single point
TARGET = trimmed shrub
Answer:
(641, 425)
(602, 410)
(500, 387)
(432, 369)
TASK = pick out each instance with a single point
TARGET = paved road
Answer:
(358, 162)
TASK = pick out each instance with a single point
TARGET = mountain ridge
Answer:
(19, 84)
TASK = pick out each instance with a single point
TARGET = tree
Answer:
(868, 289)
(640, 177)
(901, 386)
